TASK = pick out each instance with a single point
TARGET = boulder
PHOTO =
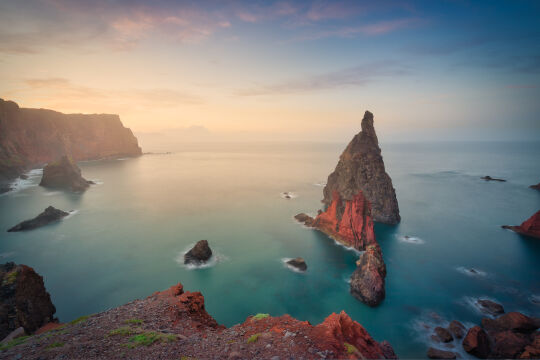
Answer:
(64, 174)
(23, 176)
(48, 216)
(508, 344)
(433, 353)
(457, 329)
(24, 302)
(490, 307)
(304, 218)
(298, 263)
(367, 281)
(476, 342)
(512, 321)
(199, 254)
(443, 334)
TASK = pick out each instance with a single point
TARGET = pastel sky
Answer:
(306, 70)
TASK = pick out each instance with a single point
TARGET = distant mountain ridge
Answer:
(31, 137)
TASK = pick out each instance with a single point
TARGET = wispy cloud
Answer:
(355, 76)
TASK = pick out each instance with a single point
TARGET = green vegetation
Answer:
(253, 338)
(10, 278)
(351, 349)
(260, 316)
(123, 331)
(187, 358)
(79, 320)
(134, 321)
(55, 345)
(14, 342)
(149, 338)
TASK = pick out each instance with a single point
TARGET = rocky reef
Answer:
(361, 169)
(530, 227)
(48, 216)
(199, 254)
(357, 193)
(174, 324)
(64, 174)
(24, 302)
(32, 137)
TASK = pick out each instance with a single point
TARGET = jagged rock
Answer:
(367, 281)
(476, 342)
(513, 321)
(31, 137)
(489, 178)
(457, 329)
(433, 353)
(536, 187)
(490, 307)
(530, 227)
(304, 218)
(64, 174)
(24, 302)
(298, 263)
(508, 345)
(443, 334)
(199, 254)
(361, 168)
(48, 216)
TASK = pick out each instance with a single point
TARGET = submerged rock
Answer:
(298, 263)
(490, 307)
(64, 174)
(24, 302)
(23, 176)
(530, 227)
(433, 353)
(457, 329)
(199, 254)
(5, 189)
(489, 178)
(48, 216)
(443, 334)
(367, 281)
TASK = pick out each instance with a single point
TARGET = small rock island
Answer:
(199, 254)
(64, 174)
(48, 216)
(298, 263)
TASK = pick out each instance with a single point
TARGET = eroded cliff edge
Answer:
(31, 137)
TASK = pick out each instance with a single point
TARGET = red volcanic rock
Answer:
(512, 321)
(367, 281)
(530, 227)
(31, 137)
(508, 345)
(476, 342)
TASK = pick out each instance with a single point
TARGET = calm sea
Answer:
(127, 234)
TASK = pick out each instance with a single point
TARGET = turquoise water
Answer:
(126, 233)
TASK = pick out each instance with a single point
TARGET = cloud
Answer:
(355, 76)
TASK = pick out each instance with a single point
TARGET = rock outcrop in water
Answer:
(32, 137)
(199, 254)
(48, 216)
(530, 227)
(535, 187)
(174, 324)
(298, 263)
(361, 169)
(64, 174)
(24, 302)
(489, 178)
(358, 192)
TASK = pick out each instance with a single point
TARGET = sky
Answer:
(281, 70)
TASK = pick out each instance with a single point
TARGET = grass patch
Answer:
(55, 345)
(183, 357)
(14, 342)
(79, 320)
(253, 338)
(123, 331)
(134, 321)
(10, 278)
(260, 316)
(351, 349)
(149, 338)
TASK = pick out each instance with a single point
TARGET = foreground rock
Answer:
(32, 137)
(24, 302)
(298, 263)
(476, 342)
(433, 353)
(304, 218)
(367, 281)
(48, 216)
(64, 174)
(490, 307)
(530, 227)
(199, 254)
(174, 324)
(536, 187)
(489, 178)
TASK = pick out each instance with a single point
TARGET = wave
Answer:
(535, 299)
(411, 239)
(290, 267)
(96, 182)
(215, 259)
(471, 271)
(32, 180)
(52, 192)
(320, 183)
(288, 195)
(71, 214)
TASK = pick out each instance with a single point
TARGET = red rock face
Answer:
(530, 227)
(349, 223)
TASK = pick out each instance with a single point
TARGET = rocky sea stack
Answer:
(199, 254)
(48, 216)
(64, 174)
(298, 263)
(24, 302)
(530, 227)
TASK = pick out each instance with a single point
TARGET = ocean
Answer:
(127, 234)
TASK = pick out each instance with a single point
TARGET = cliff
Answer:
(31, 137)
(361, 168)
(530, 227)
(174, 324)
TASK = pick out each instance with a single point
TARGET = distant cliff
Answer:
(30, 137)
